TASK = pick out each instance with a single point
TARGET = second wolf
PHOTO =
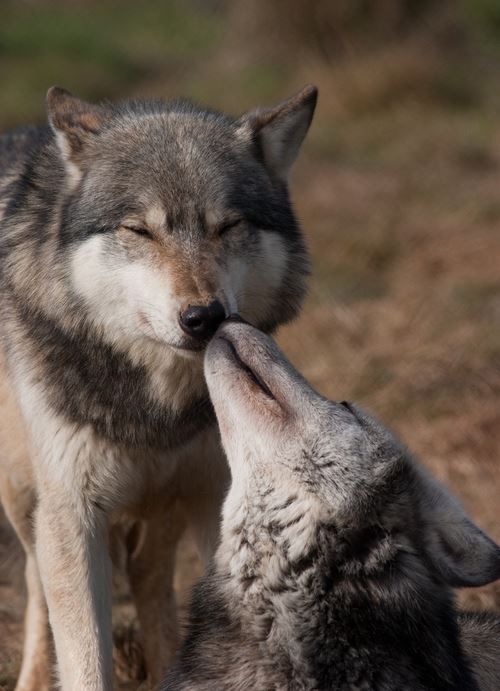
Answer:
(128, 232)
(338, 554)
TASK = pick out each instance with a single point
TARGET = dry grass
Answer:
(399, 193)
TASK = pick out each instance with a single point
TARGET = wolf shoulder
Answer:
(479, 635)
(18, 148)
(18, 145)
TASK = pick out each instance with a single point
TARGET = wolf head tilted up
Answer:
(337, 552)
(131, 230)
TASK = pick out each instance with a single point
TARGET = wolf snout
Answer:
(201, 321)
(237, 318)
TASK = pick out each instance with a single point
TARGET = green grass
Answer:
(484, 15)
(98, 50)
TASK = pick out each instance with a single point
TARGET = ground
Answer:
(398, 191)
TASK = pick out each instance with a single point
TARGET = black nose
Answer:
(201, 321)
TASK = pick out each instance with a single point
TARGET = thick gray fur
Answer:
(115, 221)
(338, 552)
(142, 156)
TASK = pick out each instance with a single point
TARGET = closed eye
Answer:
(228, 225)
(349, 407)
(139, 230)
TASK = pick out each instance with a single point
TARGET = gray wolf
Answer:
(338, 553)
(128, 232)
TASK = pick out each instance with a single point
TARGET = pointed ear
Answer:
(74, 123)
(280, 131)
(462, 554)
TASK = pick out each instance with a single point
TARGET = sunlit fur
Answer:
(338, 553)
(114, 220)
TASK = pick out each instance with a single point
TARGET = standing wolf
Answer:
(128, 233)
(337, 552)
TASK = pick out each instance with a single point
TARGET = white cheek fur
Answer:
(136, 312)
(127, 299)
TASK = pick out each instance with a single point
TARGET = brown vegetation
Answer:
(399, 193)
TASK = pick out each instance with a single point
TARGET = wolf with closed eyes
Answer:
(128, 232)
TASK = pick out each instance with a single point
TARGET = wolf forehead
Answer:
(177, 157)
(172, 146)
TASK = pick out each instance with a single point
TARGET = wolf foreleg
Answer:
(151, 573)
(76, 575)
(76, 476)
(19, 501)
(36, 672)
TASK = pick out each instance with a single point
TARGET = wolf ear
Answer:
(74, 122)
(461, 553)
(280, 131)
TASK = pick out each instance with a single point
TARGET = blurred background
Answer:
(398, 189)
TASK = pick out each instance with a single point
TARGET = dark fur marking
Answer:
(88, 382)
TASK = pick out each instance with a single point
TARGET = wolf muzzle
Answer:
(201, 321)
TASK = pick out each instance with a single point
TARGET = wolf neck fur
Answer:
(268, 547)
(290, 578)
(40, 301)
